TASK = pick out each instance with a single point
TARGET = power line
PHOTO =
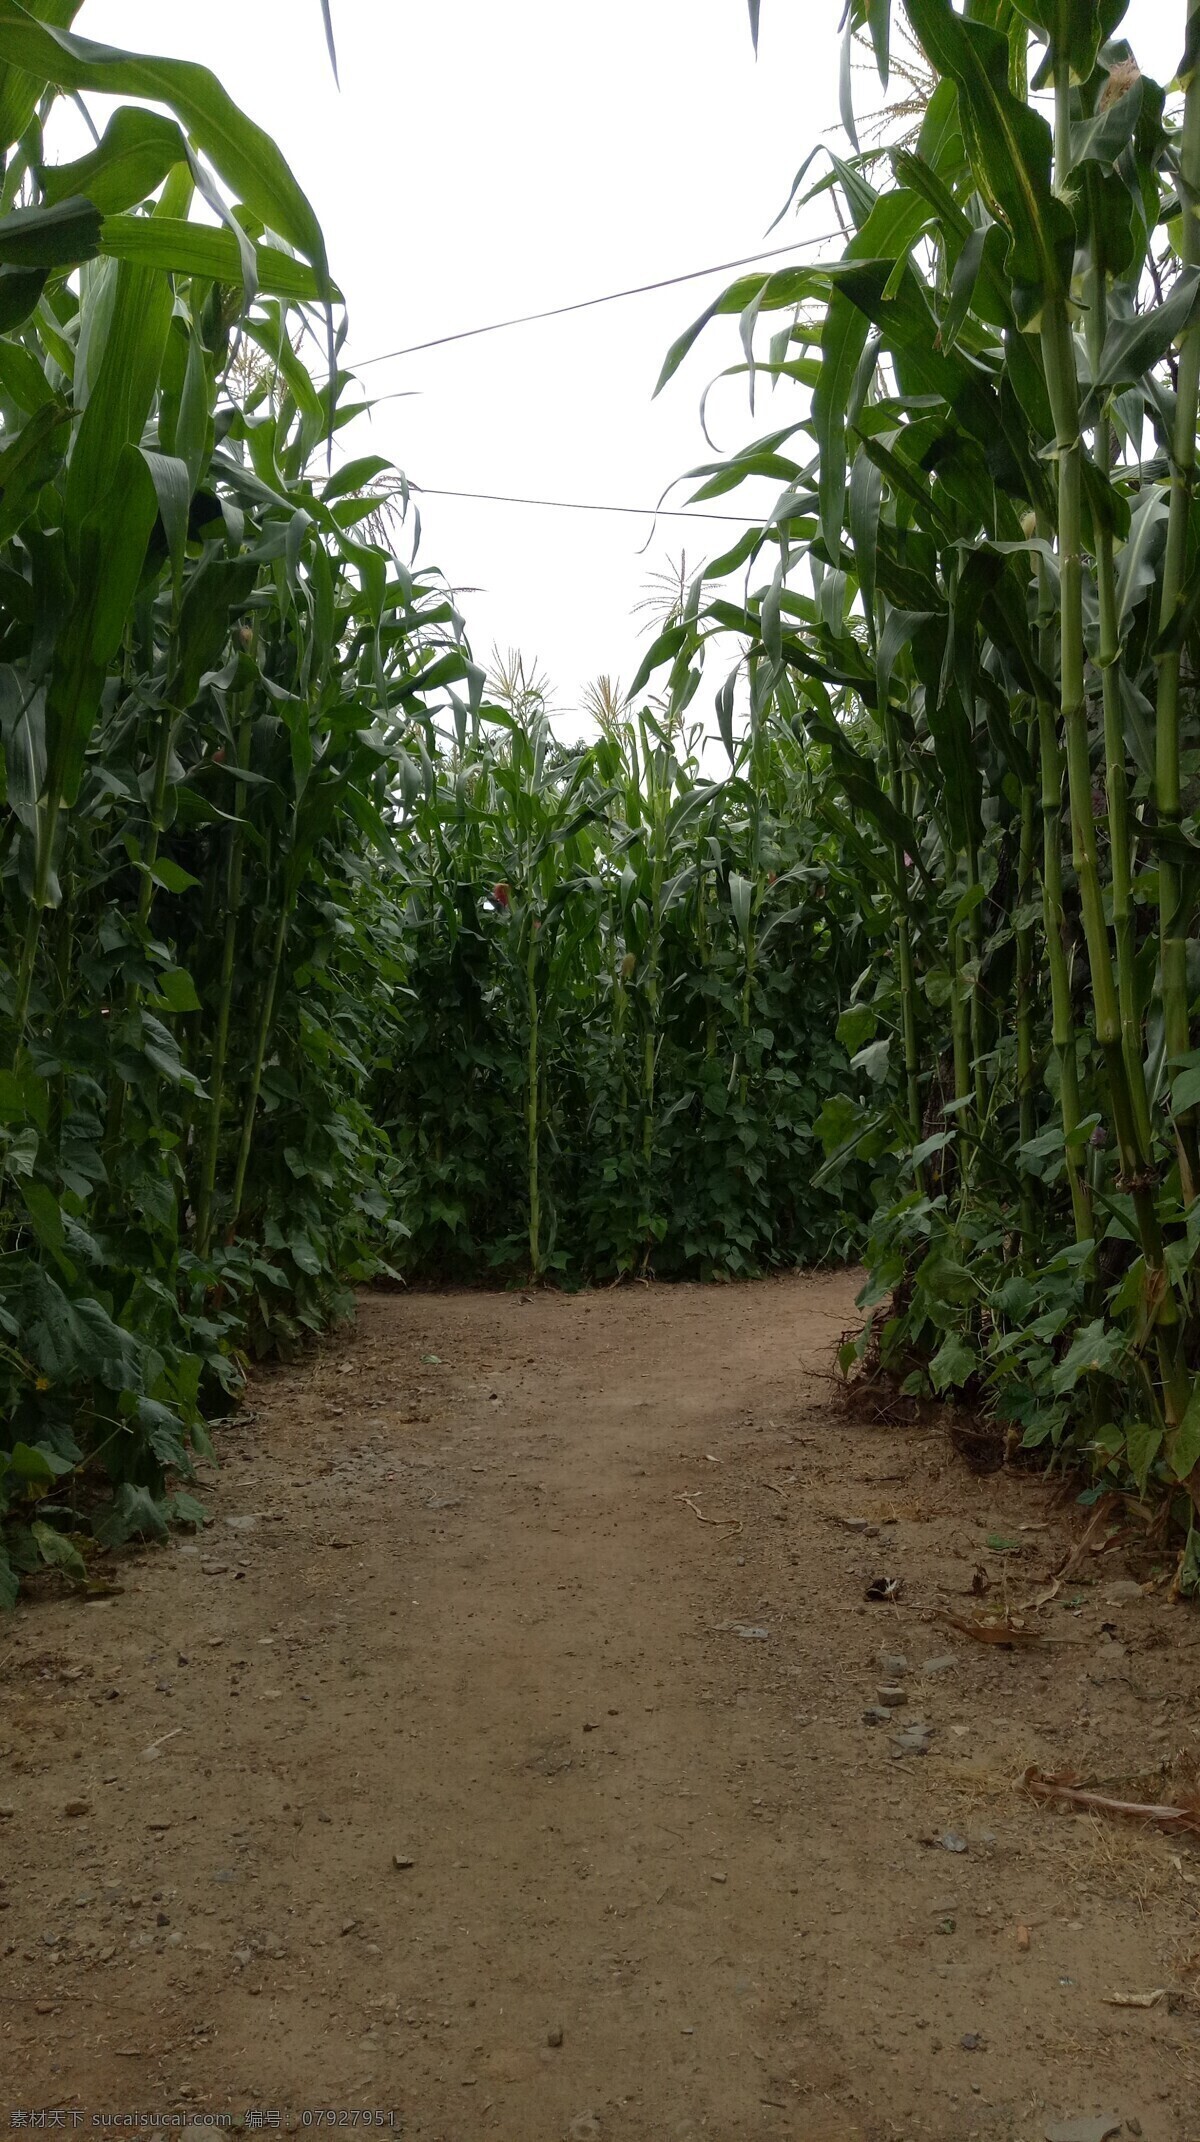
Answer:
(575, 505)
(611, 297)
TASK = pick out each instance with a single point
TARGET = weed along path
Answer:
(498, 1756)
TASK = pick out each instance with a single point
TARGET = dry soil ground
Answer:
(498, 1758)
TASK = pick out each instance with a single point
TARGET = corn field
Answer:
(323, 956)
(978, 592)
(624, 986)
(208, 656)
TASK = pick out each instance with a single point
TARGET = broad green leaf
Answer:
(953, 1365)
(110, 541)
(1183, 1442)
(769, 293)
(173, 490)
(19, 91)
(58, 1552)
(58, 236)
(1133, 346)
(122, 391)
(132, 159)
(43, 1209)
(741, 893)
(1074, 28)
(1185, 1091)
(171, 875)
(1097, 1349)
(135, 1513)
(30, 463)
(220, 587)
(1137, 559)
(176, 986)
(1009, 145)
(183, 248)
(243, 155)
(1143, 1442)
(35, 1466)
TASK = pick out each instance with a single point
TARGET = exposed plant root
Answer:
(1069, 1790)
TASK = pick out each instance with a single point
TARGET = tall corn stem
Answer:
(533, 1076)
(1173, 906)
(1062, 1024)
(220, 1047)
(1026, 1119)
(1061, 379)
(266, 1018)
(1116, 782)
(960, 1029)
(908, 994)
(47, 829)
(162, 767)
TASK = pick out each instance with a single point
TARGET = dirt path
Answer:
(466, 1768)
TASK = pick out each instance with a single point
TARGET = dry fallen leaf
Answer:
(1006, 1631)
(1136, 2000)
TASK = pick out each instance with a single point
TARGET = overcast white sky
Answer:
(490, 157)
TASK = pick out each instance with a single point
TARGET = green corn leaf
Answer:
(194, 249)
(770, 293)
(56, 236)
(866, 494)
(122, 390)
(19, 91)
(30, 463)
(22, 378)
(846, 81)
(246, 158)
(1010, 149)
(1133, 346)
(111, 545)
(137, 150)
(1137, 560)
(842, 340)
(741, 893)
(20, 294)
(173, 490)
(1074, 28)
(220, 586)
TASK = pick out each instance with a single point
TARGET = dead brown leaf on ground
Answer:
(1006, 1630)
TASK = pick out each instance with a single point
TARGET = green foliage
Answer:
(622, 981)
(979, 594)
(204, 638)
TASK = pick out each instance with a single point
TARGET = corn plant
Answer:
(206, 667)
(606, 1066)
(978, 588)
